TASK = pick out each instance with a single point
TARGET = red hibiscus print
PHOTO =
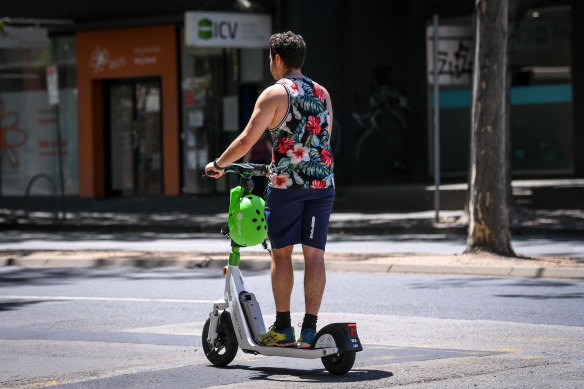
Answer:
(319, 92)
(285, 144)
(313, 125)
(318, 184)
(294, 87)
(281, 181)
(298, 154)
(326, 157)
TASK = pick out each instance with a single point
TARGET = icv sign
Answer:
(223, 30)
(218, 29)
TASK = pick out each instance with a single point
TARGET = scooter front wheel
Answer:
(223, 351)
(339, 363)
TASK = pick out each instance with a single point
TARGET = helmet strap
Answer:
(265, 246)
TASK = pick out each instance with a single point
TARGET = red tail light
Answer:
(353, 329)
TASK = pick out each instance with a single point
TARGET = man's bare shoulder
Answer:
(276, 90)
(274, 94)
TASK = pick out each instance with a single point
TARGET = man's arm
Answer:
(262, 116)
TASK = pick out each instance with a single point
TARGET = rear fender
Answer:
(341, 335)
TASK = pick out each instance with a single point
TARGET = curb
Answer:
(354, 228)
(216, 261)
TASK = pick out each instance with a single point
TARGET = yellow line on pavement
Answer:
(387, 357)
(509, 350)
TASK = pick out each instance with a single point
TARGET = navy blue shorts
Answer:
(298, 216)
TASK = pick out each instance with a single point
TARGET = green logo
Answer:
(205, 29)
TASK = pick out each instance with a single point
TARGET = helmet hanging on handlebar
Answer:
(246, 221)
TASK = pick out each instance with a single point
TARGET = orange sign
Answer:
(131, 52)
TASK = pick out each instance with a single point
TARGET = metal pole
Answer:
(60, 159)
(436, 123)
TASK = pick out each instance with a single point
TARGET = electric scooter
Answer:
(236, 319)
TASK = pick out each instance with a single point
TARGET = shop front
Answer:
(128, 124)
(147, 100)
(157, 103)
(224, 67)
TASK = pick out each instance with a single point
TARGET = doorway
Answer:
(133, 137)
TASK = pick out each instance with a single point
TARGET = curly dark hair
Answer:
(291, 48)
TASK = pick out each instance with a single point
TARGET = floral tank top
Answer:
(301, 154)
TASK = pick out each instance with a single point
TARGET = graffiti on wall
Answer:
(11, 136)
(28, 141)
(455, 55)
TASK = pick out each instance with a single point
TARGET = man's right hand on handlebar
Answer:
(213, 170)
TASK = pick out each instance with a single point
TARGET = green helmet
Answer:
(247, 222)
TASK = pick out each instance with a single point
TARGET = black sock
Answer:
(309, 321)
(283, 320)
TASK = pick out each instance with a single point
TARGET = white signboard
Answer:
(24, 38)
(455, 55)
(221, 29)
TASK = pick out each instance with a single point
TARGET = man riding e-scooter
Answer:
(298, 113)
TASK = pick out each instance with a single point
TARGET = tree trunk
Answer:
(489, 221)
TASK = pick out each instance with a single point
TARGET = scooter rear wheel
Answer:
(223, 351)
(339, 363)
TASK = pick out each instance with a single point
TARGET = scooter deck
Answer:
(293, 352)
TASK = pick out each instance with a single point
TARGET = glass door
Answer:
(133, 132)
(210, 108)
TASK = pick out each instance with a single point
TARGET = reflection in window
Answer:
(207, 76)
(29, 124)
(541, 112)
(541, 98)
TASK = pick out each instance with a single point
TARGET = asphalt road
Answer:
(137, 328)
(406, 244)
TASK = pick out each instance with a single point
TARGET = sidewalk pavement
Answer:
(538, 223)
(544, 223)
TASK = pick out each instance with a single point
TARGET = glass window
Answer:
(541, 97)
(28, 135)
(214, 108)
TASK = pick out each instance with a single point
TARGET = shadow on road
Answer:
(544, 296)
(81, 236)
(447, 283)
(15, 305)
(281, 374)
(62, 276)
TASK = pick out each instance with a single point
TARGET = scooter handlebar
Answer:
(244, 169)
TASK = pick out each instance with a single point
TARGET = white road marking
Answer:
(125, 299)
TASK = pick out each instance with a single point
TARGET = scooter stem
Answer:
(234, 256)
